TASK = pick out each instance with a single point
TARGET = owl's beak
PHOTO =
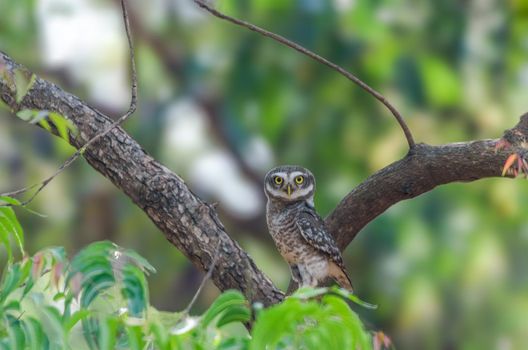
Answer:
(289, 191)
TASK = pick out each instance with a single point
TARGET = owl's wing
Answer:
(314, 232)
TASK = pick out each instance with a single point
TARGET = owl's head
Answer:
(290, 183)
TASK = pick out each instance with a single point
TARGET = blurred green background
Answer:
(221, 105)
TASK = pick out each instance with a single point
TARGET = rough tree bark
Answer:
(193, 225)
(186, 221)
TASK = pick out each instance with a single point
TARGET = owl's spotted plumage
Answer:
(297, 229)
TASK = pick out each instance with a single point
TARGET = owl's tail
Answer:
(341, 277)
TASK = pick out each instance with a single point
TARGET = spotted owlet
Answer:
(298, 231)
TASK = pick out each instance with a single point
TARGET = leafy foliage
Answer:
(99, 300)
(62, 124)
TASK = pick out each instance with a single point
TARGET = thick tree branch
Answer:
(420, 171)
(186, 221)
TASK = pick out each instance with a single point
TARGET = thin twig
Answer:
(131, 109)
(202, 284)
(303, 50)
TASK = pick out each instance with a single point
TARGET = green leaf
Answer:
(108, 333)
(14, 276)
(45, 125)
(139, 260)
(15, 333)
(93, 263)
(76, 317)
(309, 293)
(51, 322)
(32, 116)
(352, 297)
(15, 202)
(236, 313)
(24, 80)
(10, 200)
(12, 305)
(226, 300)
(134, 290)
(94, 285)
(234, 343)
(63, 125)
(161, 336)
(4, 238)
(135, 337)
(34, 334)
(349, 321)
(10, 221)
(281, 322)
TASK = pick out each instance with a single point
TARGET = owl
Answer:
(298, 231)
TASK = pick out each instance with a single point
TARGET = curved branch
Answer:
(186, 221)
(282, 40)
(419, 172)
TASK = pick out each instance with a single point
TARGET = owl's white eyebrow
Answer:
(281, 174)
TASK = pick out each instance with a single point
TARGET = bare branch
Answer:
(282, 40)
(131, 109)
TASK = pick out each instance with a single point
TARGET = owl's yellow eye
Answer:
(299, 180)
(278, 180)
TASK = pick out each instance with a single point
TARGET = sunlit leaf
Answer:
(24, 80)
(135, 338)
(63, 125)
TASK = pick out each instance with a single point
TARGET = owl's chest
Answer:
(287, 237)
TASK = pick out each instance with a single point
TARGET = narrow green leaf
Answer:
(34, 334)
(10, 200)
(45, 125)
(15, 333)
(12, 278)
(63, 125)
(236, 313)
(139, 260)
(95, 286)
(135, 337)
(4, 238)
(308, 293)
(76, 317)
(24, 80)
(352, 297)
(135, 290)
(161, 336)
(9, 219)
(226, 300)
(108, 333)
